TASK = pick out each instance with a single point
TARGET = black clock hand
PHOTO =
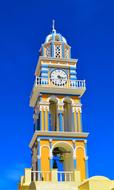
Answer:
(59, 76)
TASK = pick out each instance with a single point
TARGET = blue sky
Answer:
(88, 26)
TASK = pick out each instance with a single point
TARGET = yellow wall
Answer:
(45, 157)
(80, 157)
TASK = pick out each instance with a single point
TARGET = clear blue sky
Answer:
(88, 26)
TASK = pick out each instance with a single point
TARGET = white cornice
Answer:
(57, 134)
(53, 90)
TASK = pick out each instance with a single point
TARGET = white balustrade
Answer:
(46, 176)
(40, 175)
(69, 84)
(65, 176)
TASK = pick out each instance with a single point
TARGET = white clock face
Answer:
(59, 77)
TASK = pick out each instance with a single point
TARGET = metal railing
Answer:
(61, 176)
(67, 84)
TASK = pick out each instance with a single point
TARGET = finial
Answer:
(53, 26)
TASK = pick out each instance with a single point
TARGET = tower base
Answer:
(53, 186)
(93, 183)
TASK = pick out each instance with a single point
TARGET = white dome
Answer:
(56, 37)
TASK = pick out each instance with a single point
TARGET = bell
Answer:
(54, 164)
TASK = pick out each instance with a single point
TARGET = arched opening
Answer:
(53, 114)
(67, 114)
(63, 160)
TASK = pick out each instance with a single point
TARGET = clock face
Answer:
(59, 77)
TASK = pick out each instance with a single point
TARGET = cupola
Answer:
(55, 46)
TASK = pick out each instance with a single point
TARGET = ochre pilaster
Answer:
(44, 110)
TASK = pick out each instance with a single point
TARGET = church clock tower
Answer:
(58, 144)
(58, 141)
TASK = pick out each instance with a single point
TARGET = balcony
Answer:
(45, 85)
(70, 83)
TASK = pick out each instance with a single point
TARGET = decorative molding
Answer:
(58, 135)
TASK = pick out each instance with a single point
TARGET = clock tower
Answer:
(58, 145)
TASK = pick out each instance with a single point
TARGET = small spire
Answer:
(53, 26)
